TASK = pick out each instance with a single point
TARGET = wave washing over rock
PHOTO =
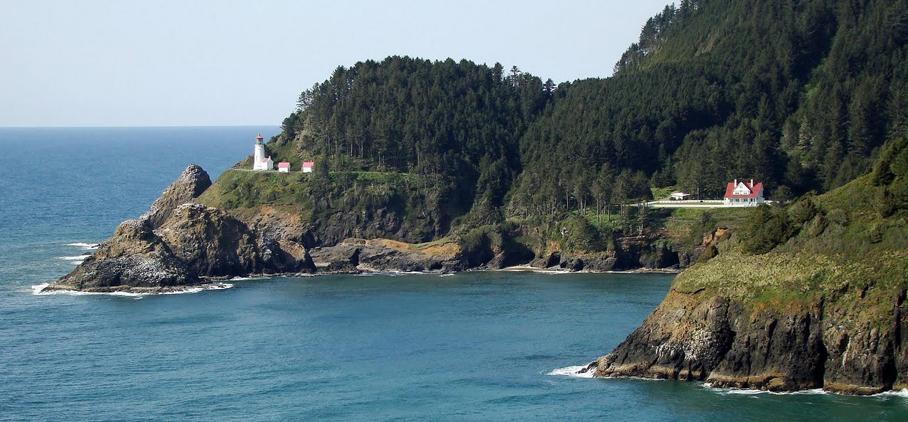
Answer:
(75, 258)
(572, 371)
(84, 245)
(41, 290)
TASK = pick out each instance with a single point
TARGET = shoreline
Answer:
(587, 372)
(47, 289)
(552, 270)
(223, 283)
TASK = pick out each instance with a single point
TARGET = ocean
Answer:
(469, 346)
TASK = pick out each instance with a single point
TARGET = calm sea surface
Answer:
(462, 347)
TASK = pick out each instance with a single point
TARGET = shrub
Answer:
(802, 211)
(876, 234)
(578, 234)
(768, 228)
(816, 226)
(838, 216)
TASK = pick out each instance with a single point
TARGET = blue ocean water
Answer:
(472, 346)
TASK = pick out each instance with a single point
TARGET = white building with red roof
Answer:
(308, 166)
(283, 167)
(743, 194)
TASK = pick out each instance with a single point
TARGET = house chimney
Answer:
(751, 183)
(736, 182)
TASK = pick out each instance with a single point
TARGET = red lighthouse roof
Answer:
(259, 137)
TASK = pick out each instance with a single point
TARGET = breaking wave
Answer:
(572, 371)
(894, 393)
(76, 259)
(83, 245)
(752, 391)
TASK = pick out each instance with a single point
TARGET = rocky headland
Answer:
(192, 236)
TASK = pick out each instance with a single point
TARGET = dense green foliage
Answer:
(457, 122)
(799, 94)
(890, 176)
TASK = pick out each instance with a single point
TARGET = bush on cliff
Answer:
(890, 174)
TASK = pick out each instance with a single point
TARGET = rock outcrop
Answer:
(178, 243)
(355, 255)
(134, 258)
(191, 183)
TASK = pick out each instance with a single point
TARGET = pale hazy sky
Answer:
(151, 62)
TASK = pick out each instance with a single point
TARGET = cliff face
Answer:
(728, 343)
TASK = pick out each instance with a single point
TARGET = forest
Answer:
(801, 95)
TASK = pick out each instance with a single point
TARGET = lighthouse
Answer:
(259, 161)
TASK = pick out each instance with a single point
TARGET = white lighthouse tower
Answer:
(259, 161)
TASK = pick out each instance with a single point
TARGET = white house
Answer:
(743, 194)
(259, 161)
(678, 196)
(308, 166)
(283, 167)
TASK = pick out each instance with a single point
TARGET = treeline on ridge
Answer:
(801, 95)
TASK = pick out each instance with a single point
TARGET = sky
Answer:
(201, 63)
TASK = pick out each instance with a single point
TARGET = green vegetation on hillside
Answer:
(801, 95)
(347, 204)
(457, 122)
(850, 239)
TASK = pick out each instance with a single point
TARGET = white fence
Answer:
(689, 203)
(706, 203)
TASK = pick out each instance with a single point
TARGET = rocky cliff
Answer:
(844, 341)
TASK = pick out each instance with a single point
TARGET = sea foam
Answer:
(75, 260)
(572, 371)
(37, 290)
(751, 391)
(83, 245)
(893, 393)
